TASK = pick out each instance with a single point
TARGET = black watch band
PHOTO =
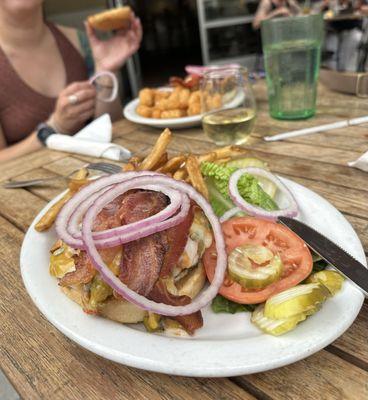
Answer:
(43, 132)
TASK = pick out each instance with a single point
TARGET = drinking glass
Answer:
(292, 50)
(228, 105)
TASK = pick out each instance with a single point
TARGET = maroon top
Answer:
(21, 107)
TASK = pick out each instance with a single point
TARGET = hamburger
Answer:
(114, 19)
(164, 267)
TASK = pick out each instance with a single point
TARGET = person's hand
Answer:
(282, 11)
(74, 106)
(111, 54)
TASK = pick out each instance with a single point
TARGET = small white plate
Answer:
(172, 123)
(227, 345)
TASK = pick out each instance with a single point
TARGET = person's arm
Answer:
(264, 12)
(294, 7)
(25, 146)
(111, 55)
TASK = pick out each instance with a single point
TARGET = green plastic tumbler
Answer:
(292, 52)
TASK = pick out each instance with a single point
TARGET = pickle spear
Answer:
(305, 298)
(332, 280)
(256, 276)
(275, 327)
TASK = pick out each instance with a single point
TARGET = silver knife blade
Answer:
(331, 252)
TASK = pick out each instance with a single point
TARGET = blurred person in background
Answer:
(44, 75)
(343, 35)
(268, 9)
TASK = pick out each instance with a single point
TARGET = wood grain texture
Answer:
(322, 376)
(43, 364)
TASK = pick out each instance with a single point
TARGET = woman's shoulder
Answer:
(73, 35)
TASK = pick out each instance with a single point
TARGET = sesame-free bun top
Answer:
(116, 18)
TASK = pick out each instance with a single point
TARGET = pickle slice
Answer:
(242, 271)
(258, 254)
(275, 327)
(300, 299)
(99, 292)
(152, 322)
(332, 280)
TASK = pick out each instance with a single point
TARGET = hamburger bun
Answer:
(114, 19)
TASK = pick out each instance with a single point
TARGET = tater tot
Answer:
(173, 114)
(156, 113)
(195, 97)
(184, 96)
(161, 94)
(194, 109)
(146, 97)
(161, 104)
(173, 102)
(144, 111)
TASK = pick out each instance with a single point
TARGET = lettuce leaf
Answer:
(222, 305)
(217, 179)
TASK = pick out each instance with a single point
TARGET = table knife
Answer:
(330, 252)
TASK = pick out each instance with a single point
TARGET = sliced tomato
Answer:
(294, 253)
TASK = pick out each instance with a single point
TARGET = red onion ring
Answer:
(137, 230)
(229, 214)
(71, 214)
(290, 211)
(107, 275)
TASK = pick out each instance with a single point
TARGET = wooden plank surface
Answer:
(43, 364)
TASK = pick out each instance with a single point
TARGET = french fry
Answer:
(229, 151)
(132, 165)
(150, 162)
(76, 181)
(195, 176)
(180, 174)
(47, 220)
(223, 160)
(172, 165)
(162, 161)
(207, 157)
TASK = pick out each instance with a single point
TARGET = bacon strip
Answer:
(189, 322)
(142, 259)
(147, 259)
(176, 239)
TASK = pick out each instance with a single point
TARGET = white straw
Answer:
(316, 129)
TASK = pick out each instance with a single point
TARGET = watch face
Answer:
(44, 131)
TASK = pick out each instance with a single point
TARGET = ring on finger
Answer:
(72, 99)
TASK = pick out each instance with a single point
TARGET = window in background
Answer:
(226, 31)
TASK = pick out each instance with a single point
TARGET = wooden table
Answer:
(41, 363)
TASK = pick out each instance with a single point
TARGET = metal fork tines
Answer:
(105, 167)
(102, 166)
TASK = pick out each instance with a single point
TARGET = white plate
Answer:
(227, 345)
(172, 123)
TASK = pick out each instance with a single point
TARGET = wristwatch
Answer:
(43, 132)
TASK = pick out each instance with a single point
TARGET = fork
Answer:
(102, 166)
